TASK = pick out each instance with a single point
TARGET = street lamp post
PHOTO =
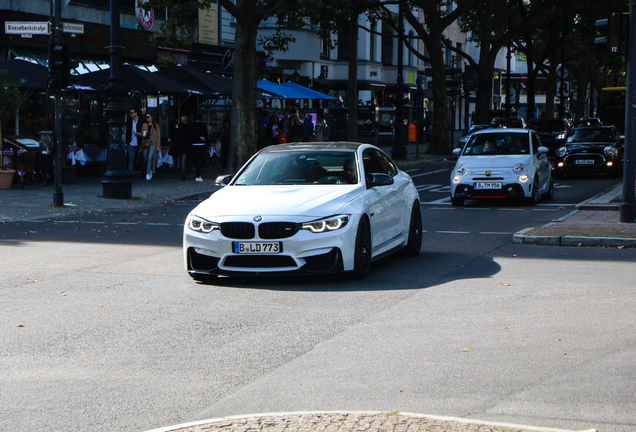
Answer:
(116, 182)
(399, 149)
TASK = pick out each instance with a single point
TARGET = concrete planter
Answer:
(6, 178)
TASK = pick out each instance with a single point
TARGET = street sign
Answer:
(24, 27)
(76, 28)
(563, 89)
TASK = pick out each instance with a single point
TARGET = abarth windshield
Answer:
(300, 168)
(497, 144)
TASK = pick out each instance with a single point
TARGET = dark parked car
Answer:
(587, 122)
(508, 122)
(551, 131)
(592, 149)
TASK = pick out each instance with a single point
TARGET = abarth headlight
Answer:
(523, 178)
(331, 223)
(198, 224)
(611, 151)
(456, 179)
(519, 169)
(461, 170)
(561, 151)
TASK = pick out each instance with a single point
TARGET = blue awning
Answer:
(279, 90)
(309, 93)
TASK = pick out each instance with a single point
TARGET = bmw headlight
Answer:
(519, 169)
(198, 224)
(611, 151)
(461, 170)
(331, 223)
(561, 151)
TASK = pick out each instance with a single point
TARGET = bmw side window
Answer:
(370, 163)
(387, 165)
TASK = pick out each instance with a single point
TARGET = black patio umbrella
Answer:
(26, 74)
(137, 80)
(215, 84)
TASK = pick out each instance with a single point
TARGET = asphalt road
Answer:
(101, 329)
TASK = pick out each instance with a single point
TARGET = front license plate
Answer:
(584, 162)
(487, 185)
(257, 247)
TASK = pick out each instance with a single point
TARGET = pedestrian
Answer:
(225, 144)
(320, 128)
(285, 123)
(183, 144)
(296, 129)
(133, 133)
(199, 140)
(308, 126)
(274, 130)
(151, 145)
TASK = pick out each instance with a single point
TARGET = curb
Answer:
(465, 421)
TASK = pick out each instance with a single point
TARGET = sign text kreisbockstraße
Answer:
(26, 27)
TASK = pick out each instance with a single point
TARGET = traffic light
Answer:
(615, 28)
(59, 66)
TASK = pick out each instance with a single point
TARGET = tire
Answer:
(534, 198)
(362, 254)
(457, 202)
(550, 193)
(414, 245)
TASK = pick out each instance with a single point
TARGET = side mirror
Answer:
(457, 151)
(374, 180)
(223, 180)
(542, 150)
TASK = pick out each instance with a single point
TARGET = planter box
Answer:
(6, 178)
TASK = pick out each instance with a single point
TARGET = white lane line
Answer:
(510, 209)
(125, 223)
(442, 208)
(496, 233)
(476, 209)
(452, 232)
(439, 201)
(68, 222)
(546, 209)
(94, 222)
(158, 224)
(431, 172)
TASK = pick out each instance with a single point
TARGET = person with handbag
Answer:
(150, 145)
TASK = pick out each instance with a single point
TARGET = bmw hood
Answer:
(310, 201)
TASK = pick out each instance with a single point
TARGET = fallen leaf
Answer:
(465, 350)
(505, 328)
(102, 306)
(587, 217)
(20, 325)
(621, 247)
(580, 244)
(505, 284)
(561, 208)
(514, 255)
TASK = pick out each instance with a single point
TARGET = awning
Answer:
(26, 74)
(215, 85)
(138, 80)
(279, 90)
(310, 94)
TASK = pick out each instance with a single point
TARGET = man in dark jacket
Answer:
(133, 131)
(199, 138)
(308, 126)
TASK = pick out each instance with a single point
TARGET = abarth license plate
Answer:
(584, 162)
(487, 185)
(257, 247)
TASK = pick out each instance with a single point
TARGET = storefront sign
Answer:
(75, 28)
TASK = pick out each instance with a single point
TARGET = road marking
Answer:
(125, 223)
(94, 222)
(546, 209)
(430, 172)
(453, 232)
(443, 208)
(510, 209)
(495, 233)
(158, 224)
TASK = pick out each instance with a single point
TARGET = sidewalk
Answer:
(595, 222)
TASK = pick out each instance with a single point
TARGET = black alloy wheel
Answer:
(414, 245)
(362, 257)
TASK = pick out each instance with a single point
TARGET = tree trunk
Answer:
(439, 144)
(352, 84)
(530, 84)
(243, 120)
(483, 95)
